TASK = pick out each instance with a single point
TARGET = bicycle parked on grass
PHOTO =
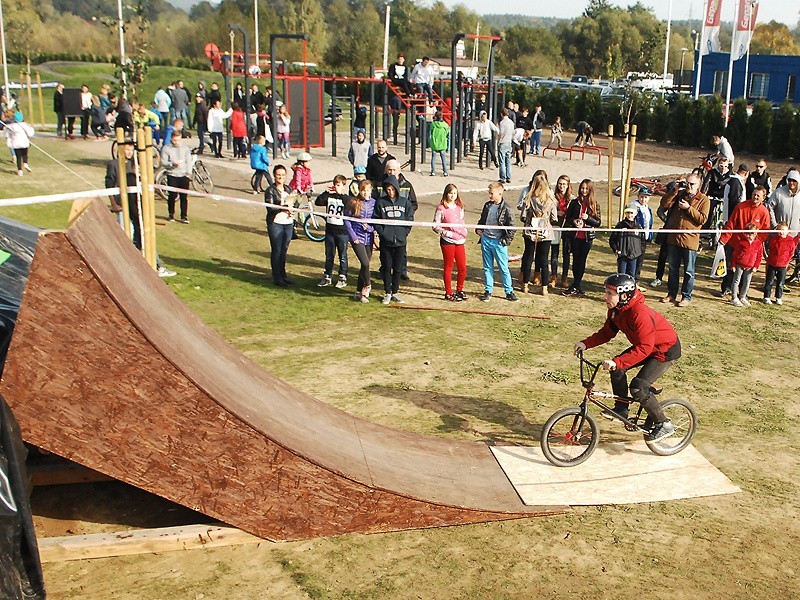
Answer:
(571, 435)
(313, 224)
(200, 181)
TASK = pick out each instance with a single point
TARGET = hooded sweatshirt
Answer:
(399, 209)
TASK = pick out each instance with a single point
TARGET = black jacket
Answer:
(272, 196)
(376, 168)
(200, 115)
(574, 212)
(504, 218)
(399, 209)
(626, 244)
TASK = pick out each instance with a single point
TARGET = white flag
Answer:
(711, 27)
(740, 45)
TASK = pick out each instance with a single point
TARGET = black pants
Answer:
(22, 157)
(70, 126)
(486, 146)
(662, 260)
(259, 175)
(727, 281)
(395, 124)
(336, 243)
(239, 147)
(537, 253)
(566, 245)
(86, 116)
(216, 143)
(651, 370)
(391, 266)
(776, 275)
(640, 262)
(178, 182)
(580, 252)
(364, 255)
(554, 250)
(60, 122)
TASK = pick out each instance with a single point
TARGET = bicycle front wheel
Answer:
(684, 418)
(569, 437)
(161, 179)
(314, 226)
(202, 178)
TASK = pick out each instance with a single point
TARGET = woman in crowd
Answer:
(449, 219)
(539, 214)
(563, 198)
(362, 236)
(583, 213)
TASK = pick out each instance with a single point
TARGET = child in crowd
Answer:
(438, 140)
(302, 182)
(362, 235)
(747, 252)
(282, 129)
(563, 196)
(238, 131)
(449, 219)
(555, 133)
(18, 134)
(360, 151)
(519, 143)
(359, 175)
(393, 207)
(99, 123)
(644, 221)
(259, 162)
(628, 246)
(781, 250)
(539, 213)
(494, 242)
(334, 200)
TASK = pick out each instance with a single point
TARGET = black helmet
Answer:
(624, 284)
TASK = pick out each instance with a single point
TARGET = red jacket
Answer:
(650, 334)
(747, 254)
(781, 250)
(746, 212)
(238, 127)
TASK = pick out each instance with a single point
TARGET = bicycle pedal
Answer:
(631, 427)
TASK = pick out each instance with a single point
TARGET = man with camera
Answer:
(688, 209)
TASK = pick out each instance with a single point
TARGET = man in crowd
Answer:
(758, 177)
(422, 77)
(376, 164)
(398, 75)
(538, 124)
(406, 191)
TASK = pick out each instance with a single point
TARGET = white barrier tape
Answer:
(59, 197)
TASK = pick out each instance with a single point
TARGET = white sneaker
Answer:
(366, 291)
(324, 282)
(165, 272)
(397, 299)
(342, 282)
(744, 301)
(735, 302)
(20, 173)
(767, 301)
(364, 299)
(27, 168)
(387, 298)
(779, 301)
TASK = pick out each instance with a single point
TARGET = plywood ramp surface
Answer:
(108, 368)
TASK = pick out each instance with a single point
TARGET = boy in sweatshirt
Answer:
(495, 242)
(628, 246)
(438, 141)
(334, 200)
(259, 162)
(392, 207)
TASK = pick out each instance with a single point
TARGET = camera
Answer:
(682, 185)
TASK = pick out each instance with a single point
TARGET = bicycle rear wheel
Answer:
(202, 178)
(161, 179)
(569, 437)
(684, 418)
(314, 226)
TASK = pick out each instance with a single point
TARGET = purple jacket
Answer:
(361, 232)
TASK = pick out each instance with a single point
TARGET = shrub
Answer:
(759, 128)
(736, 131)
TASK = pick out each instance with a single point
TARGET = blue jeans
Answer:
(536, 141)
(279, 238)
(678, 256)
(492, 250)
(627, 266)
(440, 154)
(336, 242)
(183, 113)
(504, 152)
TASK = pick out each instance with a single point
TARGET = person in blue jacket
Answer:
(259, 162)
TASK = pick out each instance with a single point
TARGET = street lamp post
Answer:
(683, 54)
(255, 10)
(666, 50)
(121, 25)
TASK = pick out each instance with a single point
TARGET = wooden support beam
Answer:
(141, 541)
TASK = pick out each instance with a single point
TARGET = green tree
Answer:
(713, 120)
(531, 51)
(783, 144)
(660, 121)
(695, 115)
(759, 128)
(736, 131)
(677, 120)
(352, 49)
(773, 38)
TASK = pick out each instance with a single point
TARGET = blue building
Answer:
(771, 77)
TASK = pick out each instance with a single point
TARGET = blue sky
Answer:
(681, 9)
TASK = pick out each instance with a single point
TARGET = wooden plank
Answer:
(141, 541)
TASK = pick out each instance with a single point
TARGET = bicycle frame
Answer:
(595, 397)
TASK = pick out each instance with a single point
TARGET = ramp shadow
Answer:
(453, 411)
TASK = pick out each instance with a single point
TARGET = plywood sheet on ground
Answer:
(617, 473)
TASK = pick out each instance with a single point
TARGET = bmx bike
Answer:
(570, 435)
(200, 181)
(313, 223)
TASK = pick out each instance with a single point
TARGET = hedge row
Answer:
(683, 121)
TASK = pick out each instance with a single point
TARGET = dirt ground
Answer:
(742, 546)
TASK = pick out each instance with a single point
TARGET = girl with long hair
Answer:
(539, 214)
(362, 236)
(563, 196)
(449, 219)
(583, 213)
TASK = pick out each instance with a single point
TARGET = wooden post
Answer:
(41, 101)
(629, 170)
(148, 207)
(623, 193)
(610, 171)
(122, 169)
(30, 95)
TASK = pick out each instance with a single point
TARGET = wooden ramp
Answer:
(108, 368)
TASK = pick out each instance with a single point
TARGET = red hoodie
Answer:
(646, 329)
(781, 250)
(747, 254)
(238, 127)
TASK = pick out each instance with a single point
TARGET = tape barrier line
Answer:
(233, 199)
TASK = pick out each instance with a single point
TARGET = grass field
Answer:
(479, 378)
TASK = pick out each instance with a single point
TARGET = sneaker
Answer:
(744, 301)
(387, 298)
(735, 302)
(724, 294)
(325, 281)
(27, 168)
(655, 283)
(170, 218)
(364, 299)
(613, 415)
(366, 291)
(461, 295)
(683, 303)
(398, 299)
(184, 220)
(165, 272)
(667, 300)
(20, 173)
(486, 296)
(570, 292)
(659, 432)
(779, 301)
(767, 301)
(342, 282)
(450, 297)
(512, 297)
(357, 297)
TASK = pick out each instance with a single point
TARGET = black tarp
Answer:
(20, 568)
